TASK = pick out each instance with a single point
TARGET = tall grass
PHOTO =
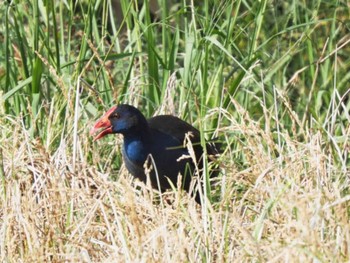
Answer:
(269, 78)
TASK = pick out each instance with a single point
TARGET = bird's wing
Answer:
(174, 127)
(177, 128)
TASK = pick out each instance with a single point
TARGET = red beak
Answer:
(104, 123)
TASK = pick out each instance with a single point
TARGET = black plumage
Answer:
(158, 140)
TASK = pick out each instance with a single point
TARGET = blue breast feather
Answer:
(135, 151)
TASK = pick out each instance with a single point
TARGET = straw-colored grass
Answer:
(270, 79)
(289, 208)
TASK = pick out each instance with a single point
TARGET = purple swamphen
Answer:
(160, 140)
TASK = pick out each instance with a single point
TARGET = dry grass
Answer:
(272, 75)
(288, 204)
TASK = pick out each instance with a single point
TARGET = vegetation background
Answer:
(269, 78)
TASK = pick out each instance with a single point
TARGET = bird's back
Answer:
(178, 128)
(173, 126)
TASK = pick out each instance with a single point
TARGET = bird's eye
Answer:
(115, 116)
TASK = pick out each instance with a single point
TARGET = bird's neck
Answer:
(135, 146)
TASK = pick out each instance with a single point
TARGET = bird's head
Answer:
(122, 119)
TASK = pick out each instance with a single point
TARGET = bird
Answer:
(158, 141)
